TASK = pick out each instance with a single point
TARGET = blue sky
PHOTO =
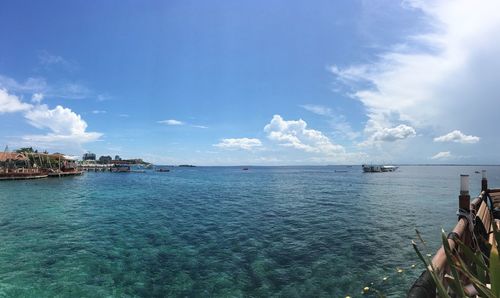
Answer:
(252, 82)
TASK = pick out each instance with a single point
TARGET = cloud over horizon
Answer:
(435, 80)
(458, 137)
(172, 122)
(295, 134)
(10, 103)
(443, 155)
(239, 143)
(64, 125)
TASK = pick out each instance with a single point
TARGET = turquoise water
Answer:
(223, 232)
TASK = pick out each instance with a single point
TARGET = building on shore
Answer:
(88, 156)
(12, 159)
(105, 159)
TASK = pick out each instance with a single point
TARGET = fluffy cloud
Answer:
(171, 122)
(399, 132)
(440, 79)
(458, 137)
(241, 143)
(442, 155)
(63, 124)
(98, 112)
(10, 103)
(295, 134)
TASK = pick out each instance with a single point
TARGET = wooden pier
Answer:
(474, 228)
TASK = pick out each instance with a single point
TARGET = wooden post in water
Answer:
(484, 181)
(464, 198)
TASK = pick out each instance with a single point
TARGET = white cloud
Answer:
(31, 85)
(442, 155)
(37, 97)
(295, 134)
(171, 122)
(399, 132)
(103, 97)
(10, 103)
(66, 90)
(98, 112)
(317, 109)
(64, 125)
(48, 59)
(241, 143)
(199, 126)
(341, 127)
(437, 80)
(458, 137)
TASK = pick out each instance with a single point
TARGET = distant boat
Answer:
(378, 168)
(120, 169)
(389, 168)
(245, 169)
(163, 170)
(477, 172)
(340, 171)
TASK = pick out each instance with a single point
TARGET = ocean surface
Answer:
(224, 232)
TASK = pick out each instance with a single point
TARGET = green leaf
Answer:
(420, 237)
(477, 259)
(495, 270)
(437, 281)
(480, 287)
(455, 282)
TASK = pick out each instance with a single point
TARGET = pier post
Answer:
(484, 181)
(464, 198)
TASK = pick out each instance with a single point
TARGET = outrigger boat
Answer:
(378, 168)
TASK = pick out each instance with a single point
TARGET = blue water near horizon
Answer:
(224, 232)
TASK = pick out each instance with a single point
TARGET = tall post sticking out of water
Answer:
(484, 181)
(464, 198)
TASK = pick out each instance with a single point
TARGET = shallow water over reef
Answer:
(224, 232)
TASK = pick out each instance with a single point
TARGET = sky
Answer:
(253, 82)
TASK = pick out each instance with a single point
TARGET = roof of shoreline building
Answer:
(4, 156)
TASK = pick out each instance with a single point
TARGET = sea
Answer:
(322, 231)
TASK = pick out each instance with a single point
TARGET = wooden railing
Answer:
(424, 286)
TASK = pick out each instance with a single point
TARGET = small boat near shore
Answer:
(72, 172)
(22, 176)
(162, 170)
(120, 169)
